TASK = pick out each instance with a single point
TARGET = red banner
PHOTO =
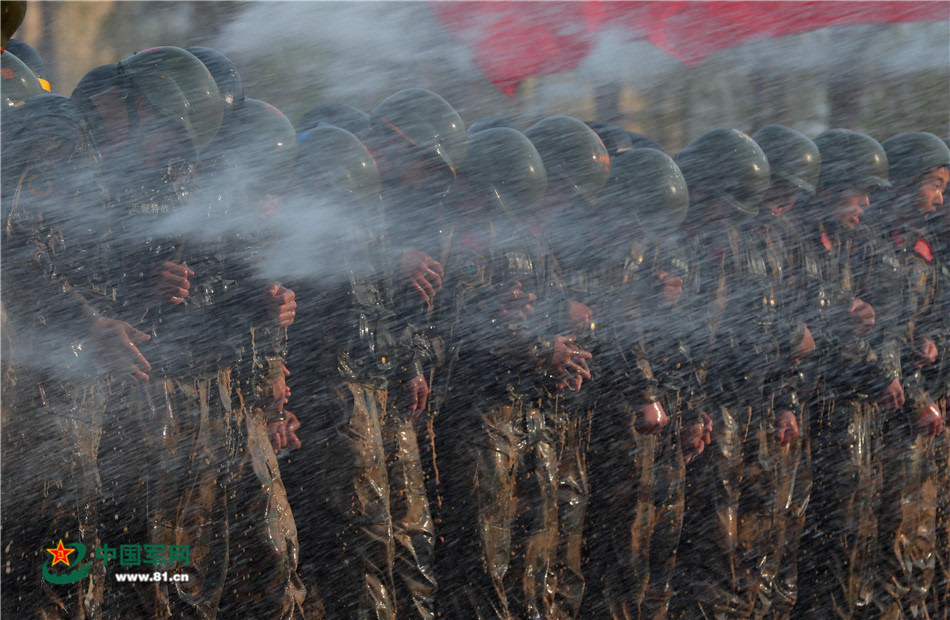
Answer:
(515, 40)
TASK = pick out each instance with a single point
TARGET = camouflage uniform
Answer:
(638, 480)
(837, 567)
(370, 550)
(741, 355)
(495, 432)
(910, 494)
(52, 399)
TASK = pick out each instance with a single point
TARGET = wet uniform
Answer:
(52, 398)
(638, 480)
(837, 566)
(495, 431)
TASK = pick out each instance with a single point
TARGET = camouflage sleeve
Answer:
(34, 283)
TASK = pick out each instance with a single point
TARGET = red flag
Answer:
(515, 40)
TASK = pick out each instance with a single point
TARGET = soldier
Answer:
(939, 375)
(245, 174)
(187, 427)
(849, 283)
(578, 166)
(504, 360)
(52, 398)
(919, 167)
(743, 351)
(795, 164)
(345, 361)
(646, 382)
(418, 141)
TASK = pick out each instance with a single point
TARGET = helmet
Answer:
(641, 141)
(728, 164)
(851, 158)
(96, 81)
(423, 120)
(12, 13)
(572, 153)
(19, 83)
(178, 86)
(647, 185)
(346, 117)
(31, 59)
(225, 74)
(505, 163)
(911, 155)
(491, 122)
(614, 138)
(49, 136)
(264, 145)
(332, 158)
(792, 156)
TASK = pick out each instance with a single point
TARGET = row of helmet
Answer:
(599, 162)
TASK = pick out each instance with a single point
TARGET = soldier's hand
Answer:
(281, 304)
(925, 352)
(929, 421)
(804, 347)
(423, 273)
(283, 434)
(569, 363)
(862, 317)
(893, 396)
(580, 316)
(786, 427)
(114, 344)
(514, 302)
(169, 282)
(418, 396)
(277, 394)
(651, 418)
(695, 437)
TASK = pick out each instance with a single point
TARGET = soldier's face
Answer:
(850, 206)
(671, 287)
(930, 191)
(780, 198)
(161, 142)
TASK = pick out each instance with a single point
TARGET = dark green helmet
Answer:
(340, 115)
(647, 185)
(616, 140)
(851, 158)
(572, 154)
(225, 74)
(18, 83)
(912, 155)
(491, 122)
(727, 164)
(421, 120)
(31, 58)
(12, 13)
(333, 160)
(792, 156)
(264, 145)
(505, 163)
(178, 86)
